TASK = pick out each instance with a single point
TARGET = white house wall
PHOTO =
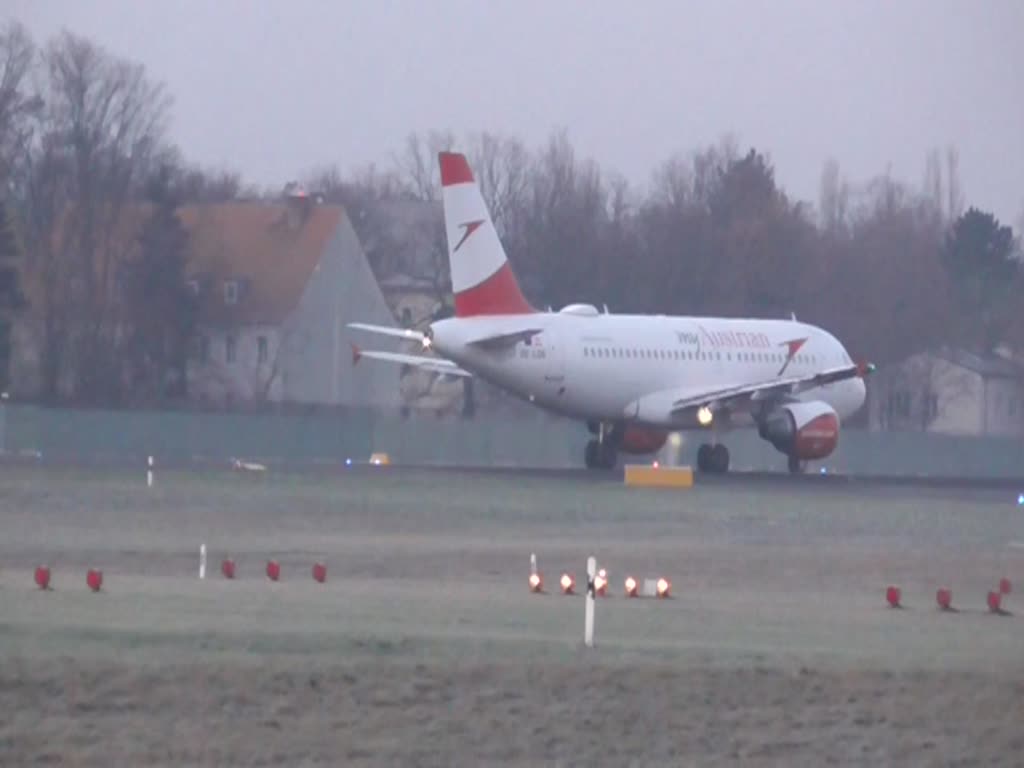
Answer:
(245, 377)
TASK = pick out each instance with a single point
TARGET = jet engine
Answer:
(803, 431)
(637, 440)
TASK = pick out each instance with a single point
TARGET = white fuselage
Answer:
(609, 367)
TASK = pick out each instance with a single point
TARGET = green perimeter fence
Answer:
(60, 434)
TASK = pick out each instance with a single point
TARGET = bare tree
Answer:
(18, 103)
(418, 165)
(95, 142)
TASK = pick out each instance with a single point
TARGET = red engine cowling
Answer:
(805, 431)
(637, 440)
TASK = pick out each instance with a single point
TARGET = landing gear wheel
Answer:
(599, 455)
(713, 458)
(720, 458)
(796, 467)
(704, 458)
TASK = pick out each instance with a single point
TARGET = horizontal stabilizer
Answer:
(431, 364)
(384, 330)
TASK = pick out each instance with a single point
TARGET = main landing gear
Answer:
(713, 458)
(796, 467)
(603, 451)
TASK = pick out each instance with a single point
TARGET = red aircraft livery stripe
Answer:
(499, 294)
(454, 169)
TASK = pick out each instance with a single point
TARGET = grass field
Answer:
(425, 647)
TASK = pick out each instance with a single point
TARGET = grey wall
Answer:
(317, 354)
(316, 436)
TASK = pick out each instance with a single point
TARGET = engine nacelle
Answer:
(805, 431)
(637, 440)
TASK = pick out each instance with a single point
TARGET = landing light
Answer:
(631, 587)
(704, 415)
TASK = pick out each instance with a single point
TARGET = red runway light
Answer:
(995, 602)
(536, 582)
(320, 572)
(664, 586)
(601, 583)
(568, 584)
(94, 578)
(43, 577)
(892, 596)
(273, 570)
(1004, 586)
(944, 598)
(227, 567)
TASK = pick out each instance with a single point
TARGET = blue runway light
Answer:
(1020, 500)
(348, 462)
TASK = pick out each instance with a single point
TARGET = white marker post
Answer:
(202, 561)
(533, 562)
(149, 472)
(588, 618)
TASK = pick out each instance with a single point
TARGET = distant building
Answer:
(276, 280)
(277, 283)
(950, 392)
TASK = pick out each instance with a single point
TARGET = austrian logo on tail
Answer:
(470, 227)
(794, 347)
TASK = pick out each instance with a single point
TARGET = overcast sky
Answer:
(273, 89)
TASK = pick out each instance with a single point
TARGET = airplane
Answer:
(632, 378)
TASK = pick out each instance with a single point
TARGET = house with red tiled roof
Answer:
(277, 282)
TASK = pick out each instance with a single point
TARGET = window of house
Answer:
(261, 349)
(230, 291)
(229, 349)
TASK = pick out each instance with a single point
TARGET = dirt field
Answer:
(424, 647)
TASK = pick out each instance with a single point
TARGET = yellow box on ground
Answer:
(650, 476)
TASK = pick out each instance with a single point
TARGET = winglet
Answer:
(357, 353)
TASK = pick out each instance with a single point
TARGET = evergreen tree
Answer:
(163, 309)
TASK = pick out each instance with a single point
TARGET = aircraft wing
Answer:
(431, 364)
(791, 385)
